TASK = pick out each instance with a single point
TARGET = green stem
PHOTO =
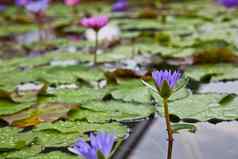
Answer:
(96, 48)
(169, 128)
(40, 30)
(74, 13)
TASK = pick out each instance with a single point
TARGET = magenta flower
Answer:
(170, 77)
(21, 2)
(228, 3)
(120, 6)
(71, 2)
(102, 142)
(96, 22)
(37, 6)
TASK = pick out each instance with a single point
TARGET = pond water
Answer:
(210, 141)
(52, 90)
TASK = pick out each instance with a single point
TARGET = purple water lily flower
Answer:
(37, 6)
(120, 6)
(169, 76)
(21, 2)
(228, 3)
(102, 142)
(2, 8)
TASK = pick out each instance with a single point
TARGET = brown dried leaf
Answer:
(41, 113)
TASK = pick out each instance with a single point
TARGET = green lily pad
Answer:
(66, 127)
(200, 106)
(56, 155)
(135, 109)
(217, 72)
(101, 117)
(8, 107)
(52, 138)
(81, 95)
(23, 153)
(11, 138)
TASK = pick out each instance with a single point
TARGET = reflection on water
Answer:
(209, 142)
(220, 87)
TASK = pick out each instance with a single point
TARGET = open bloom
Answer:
(71, 2)
(228, 3)
(2, 8)
(165, 81)
(120, 5)
(21, 2)
(102, 142)
(96, 22)
(37, 6)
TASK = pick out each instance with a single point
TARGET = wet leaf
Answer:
(40, 113)
(52, 138)
(23, 153)
(203, 107)
(131, 91)
(8, 107)
(11, 138)
(215, 72)
(178, 127)
(81, 95)
(117, 109)
(67, 127)
(56, 155)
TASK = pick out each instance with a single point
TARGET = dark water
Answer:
(210, 141)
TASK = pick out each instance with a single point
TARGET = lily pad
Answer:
(216, 72)
(201, 107)
(23, 153)
(55, 155)
(11, 138)
(8, 107)
(66, 127)
(38, 114)
(110, 107)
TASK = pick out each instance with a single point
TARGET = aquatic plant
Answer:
(72, 4)
(120, 6)
(165, 82)
(100, 145)
(228, 3)
(21, 2)
(37, 8)
(2, 8)
(95, 23)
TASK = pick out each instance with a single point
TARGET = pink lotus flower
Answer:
(96, 22)
(71, 2)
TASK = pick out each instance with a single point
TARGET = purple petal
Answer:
(167, 75)
(2, 8)
(228, 3)
(83, 149)
(103, 142)
(37, 6)
(21, 2)
(120, 5)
